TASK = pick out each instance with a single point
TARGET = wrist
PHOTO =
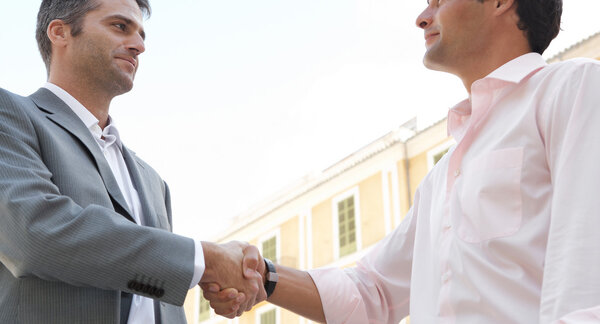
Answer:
(209, 250)
(270, 277)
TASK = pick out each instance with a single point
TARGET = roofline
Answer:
(310, 182)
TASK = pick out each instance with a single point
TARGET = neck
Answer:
(483, 66)
(93, 99)
(503, 50)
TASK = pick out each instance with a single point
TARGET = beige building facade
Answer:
(333, 218)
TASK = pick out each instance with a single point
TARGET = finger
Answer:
(251, 260)
(213, 287)
(262, 293)
(253, 289)
(228, 307)
(210, 287)
(222, 296)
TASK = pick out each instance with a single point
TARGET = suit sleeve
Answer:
(46, 235)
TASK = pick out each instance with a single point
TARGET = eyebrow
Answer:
(128, 21)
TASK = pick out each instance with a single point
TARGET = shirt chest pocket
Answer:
(489, 196)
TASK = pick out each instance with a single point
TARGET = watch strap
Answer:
(271, 277)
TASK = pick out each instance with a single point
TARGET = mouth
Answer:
(430, 36)
(129, 60)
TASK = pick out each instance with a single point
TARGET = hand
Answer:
(233, 265)
(230, 302)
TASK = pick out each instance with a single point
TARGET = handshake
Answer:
(233, 280)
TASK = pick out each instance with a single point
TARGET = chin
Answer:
(122, 86)
(432, 62)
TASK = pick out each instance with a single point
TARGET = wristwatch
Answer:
(271, 277)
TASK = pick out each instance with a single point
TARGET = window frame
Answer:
(265, 309)
(352, 193)
(277, 234)
(437, 150)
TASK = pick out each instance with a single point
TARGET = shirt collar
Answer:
(516, 70)
(513, 71)
(110, 132)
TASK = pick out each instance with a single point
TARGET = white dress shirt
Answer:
(109, 141)
(505, 228)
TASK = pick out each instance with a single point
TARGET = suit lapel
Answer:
(150, 218)
(58, 112)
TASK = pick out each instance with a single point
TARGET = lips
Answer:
(131, 60)
(429, 36)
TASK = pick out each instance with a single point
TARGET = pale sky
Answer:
(236, 99)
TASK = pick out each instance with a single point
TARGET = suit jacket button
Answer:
(146, 289)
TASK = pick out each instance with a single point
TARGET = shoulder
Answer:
(10, 100)
(561, 82)
(15, 112)
(576, 67)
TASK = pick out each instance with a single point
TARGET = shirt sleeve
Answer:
(199, 264)
(571, 280)
(377, 290)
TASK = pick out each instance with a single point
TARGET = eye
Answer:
(120, 26)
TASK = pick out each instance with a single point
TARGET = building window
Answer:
(269, 317)
(438, 152)
(346, 226)
(269, 248)
(437, 157)
(204, 312)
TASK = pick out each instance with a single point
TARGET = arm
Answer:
(377, 289)
(58, 223)
(569, 126)
(47, 235)
(297, 292)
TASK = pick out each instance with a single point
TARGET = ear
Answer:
(58, 32)
(503, 6)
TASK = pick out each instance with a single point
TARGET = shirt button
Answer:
(446, 276)
(456, 173)
(447, 227)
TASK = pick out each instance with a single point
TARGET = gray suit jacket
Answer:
(69, 249)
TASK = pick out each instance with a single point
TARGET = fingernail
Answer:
(212, 288)
(250, 272)
(231, 295)
(240, 299)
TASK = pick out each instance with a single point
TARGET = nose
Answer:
(425, 18)
(137, 44)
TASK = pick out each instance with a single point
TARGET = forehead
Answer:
(125, 8)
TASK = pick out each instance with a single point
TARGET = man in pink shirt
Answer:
(504, 229)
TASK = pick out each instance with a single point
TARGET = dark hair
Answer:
(540, 20)
(72, 13)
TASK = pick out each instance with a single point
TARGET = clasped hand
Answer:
(239, 268)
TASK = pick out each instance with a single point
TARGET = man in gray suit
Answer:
(85, 225)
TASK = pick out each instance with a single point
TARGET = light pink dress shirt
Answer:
(506, 227)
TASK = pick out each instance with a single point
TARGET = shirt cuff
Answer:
(342, 303)
(199, 265)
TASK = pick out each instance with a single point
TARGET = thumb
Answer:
(250, 262)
